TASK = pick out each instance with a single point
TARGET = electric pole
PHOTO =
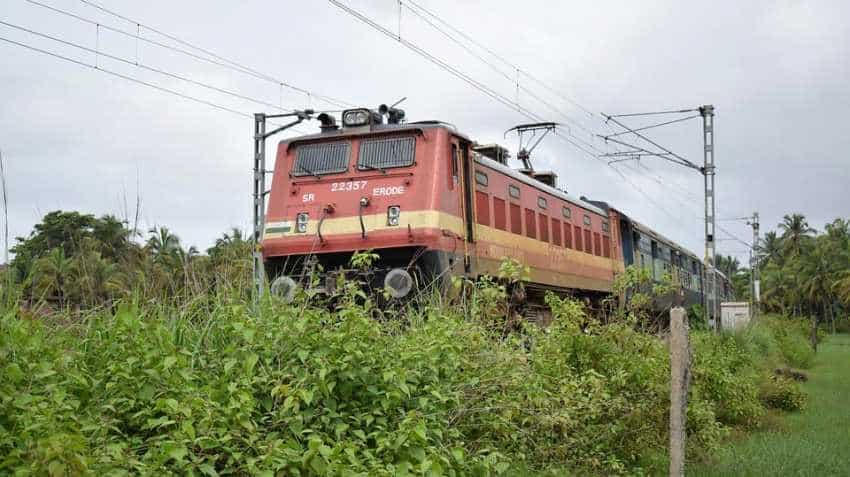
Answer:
(754, 264)
(710, 294)
(711, 297)
(260, 192)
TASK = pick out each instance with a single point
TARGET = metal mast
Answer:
(259, 195)
(754, 265)
(711, 296)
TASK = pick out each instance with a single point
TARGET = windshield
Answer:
(382, 154)
(322, 158)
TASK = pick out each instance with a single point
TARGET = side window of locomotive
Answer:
(322, 158)
(481, 179)
(386, 153)
(541, 202)
(513, 191)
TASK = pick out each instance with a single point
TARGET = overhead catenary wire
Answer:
(504, 74)
(128, 78)
(499, 57)
(495, 95)
(143, 66)
(211, 57)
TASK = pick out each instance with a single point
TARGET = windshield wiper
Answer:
(368, 167)
(308, 171)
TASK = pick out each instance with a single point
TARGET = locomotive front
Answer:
(368, 185)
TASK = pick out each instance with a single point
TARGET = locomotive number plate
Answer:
(348, 186)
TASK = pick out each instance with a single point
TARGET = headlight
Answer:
(356, 117)
(393, 213)
(301, 222)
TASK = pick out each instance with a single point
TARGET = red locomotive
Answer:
(434, 204)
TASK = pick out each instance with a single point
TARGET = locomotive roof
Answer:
(514, 174)
(413, 126)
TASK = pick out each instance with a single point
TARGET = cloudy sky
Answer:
(777, 72)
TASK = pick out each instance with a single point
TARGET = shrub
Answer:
(725, 377)
(216, 387)
(778, 392)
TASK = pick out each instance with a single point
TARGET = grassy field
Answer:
(814, 442)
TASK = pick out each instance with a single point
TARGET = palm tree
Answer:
(728, 264)
(49, 276)
(795, 232)
(770, 248)
(163, 245)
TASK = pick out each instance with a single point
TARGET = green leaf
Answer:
(318, 464)
(306, 396)
(14, 373)
(168, 362)
(250, 362)
(178, 453)
(420, 431)
(207, 469)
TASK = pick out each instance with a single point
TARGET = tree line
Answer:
(804, 272)
(77, 260)
(81, 261)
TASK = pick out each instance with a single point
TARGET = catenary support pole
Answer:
(754, 266)
(711, 295)
(259, 202)
(679, 382)
(260, 192)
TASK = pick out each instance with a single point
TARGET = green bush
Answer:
(778, 392)
(792, 337)
(216, 388)
(725, 376)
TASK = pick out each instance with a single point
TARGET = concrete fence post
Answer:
(679, 381)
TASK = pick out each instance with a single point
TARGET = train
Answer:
(433, 204)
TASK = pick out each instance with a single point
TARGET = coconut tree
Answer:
(795, 233)
(49, 276)
(770, 248)
(162, 245)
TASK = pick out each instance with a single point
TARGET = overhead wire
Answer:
(495, 95)
(492, 53)
(128, 78)
(146, 67)
(132, 79)
(212, 58)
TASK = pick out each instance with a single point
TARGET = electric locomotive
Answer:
(433, 203)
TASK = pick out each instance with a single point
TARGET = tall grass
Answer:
(215, 386)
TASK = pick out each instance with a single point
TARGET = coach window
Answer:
(566, 212)
(481, 178)
(541, 202)
(513, 191)
(586, 220)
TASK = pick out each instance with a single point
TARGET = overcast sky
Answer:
(74, 138)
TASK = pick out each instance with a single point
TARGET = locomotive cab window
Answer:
(481, 178)
(386, 153)
(322, 158)
(513, 191)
